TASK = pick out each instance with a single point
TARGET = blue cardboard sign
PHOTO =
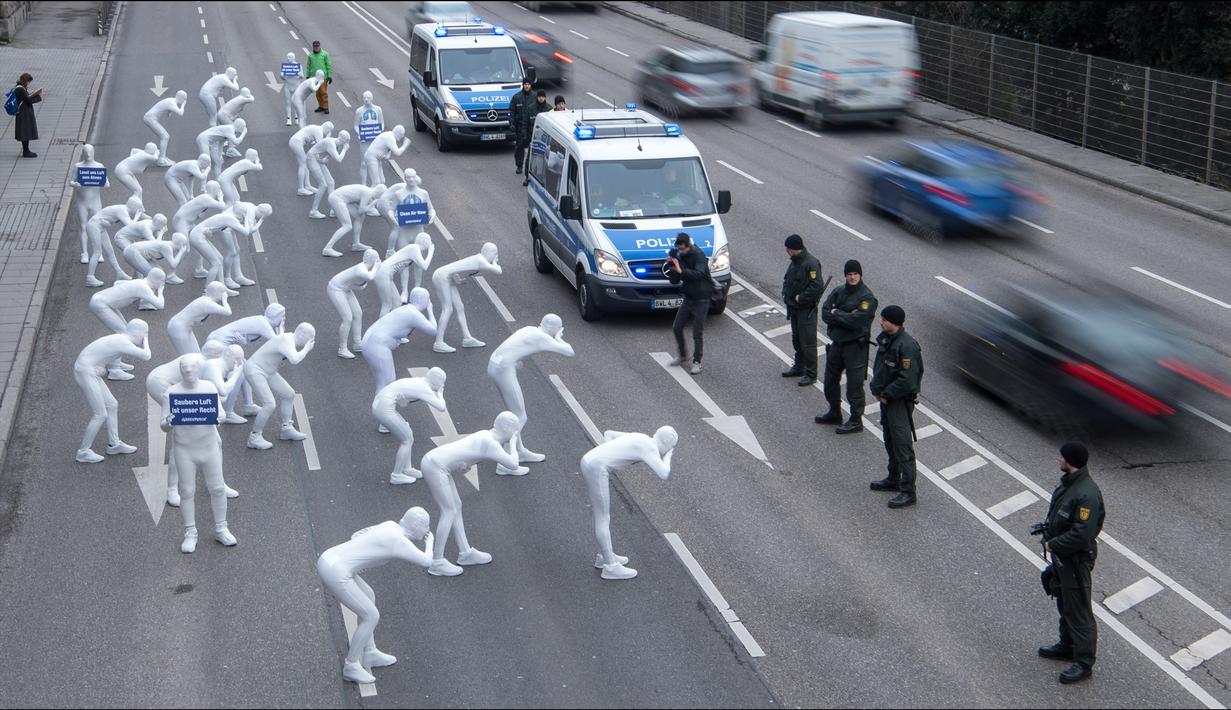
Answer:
(91, 177)
(412, 213)
(369, 130)
(193, 409)
(290, 69)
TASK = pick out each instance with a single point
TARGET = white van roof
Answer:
(836, 19)
(612, 120)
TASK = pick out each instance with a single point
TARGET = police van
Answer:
(462, 76)
(609, 190)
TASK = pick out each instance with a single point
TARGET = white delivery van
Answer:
(837, 67)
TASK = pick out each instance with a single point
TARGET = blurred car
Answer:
(540, 6)
(1070, 359)
(420, 13)
(542, 51)
(691, 80)
(942, 188)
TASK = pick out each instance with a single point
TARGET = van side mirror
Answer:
(759, 54)
(428, 79)
(724, 201)
(568, 208)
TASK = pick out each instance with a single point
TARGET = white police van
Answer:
(609, 190)
(462, 76)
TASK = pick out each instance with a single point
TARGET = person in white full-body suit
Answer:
(319, 155)
(417, 255)
(154, 117)
(289, 84)
(211, 92)
(409, 191)
(299, 142)
(88, 371)
(231, 111)
(228, 180)
(100, 241)
(89, 199)
(106, 305)
(252, 216)
(244, 332)
(187, 178)
(212, 140)
(399, 393)
(369, 115)
(139, 230)
(350, 204)
(233, 220)
(127, 170)
(271, 390)
(391, 330)
(306, 88)
(140, 254)
(341, 291)
(445, 280)
(180, 327)
(387, 145)
(193, 211)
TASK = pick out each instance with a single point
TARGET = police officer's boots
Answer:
(851, 426)
(833, 416)
(902, 500)
(1074, 673)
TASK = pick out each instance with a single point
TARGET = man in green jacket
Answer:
(896, 378)
(801, 292)
(1074, 521)
(849, 312)
(319, 60)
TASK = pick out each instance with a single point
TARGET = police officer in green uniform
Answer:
(801, 292)
(848, 311)
(896, 376)
(1074, 521)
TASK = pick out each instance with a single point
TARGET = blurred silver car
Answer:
(421, 13)
(692, 80)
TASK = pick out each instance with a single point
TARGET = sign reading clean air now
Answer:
(412, 213)
(193, 409)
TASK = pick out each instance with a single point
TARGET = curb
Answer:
(1002, 144)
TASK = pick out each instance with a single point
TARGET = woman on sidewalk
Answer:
(26, 129)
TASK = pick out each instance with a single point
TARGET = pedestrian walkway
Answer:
(59, 46)
(1178, 192)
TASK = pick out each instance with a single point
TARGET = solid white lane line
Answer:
(737, 171)
(271, 295)
(547, 19)
(1202, 650)
(977, 297)
(578, 411)
(579, 34)
(205, 38)
(390, 36)
(600, 99)
(1011, 505)
(282, 19)
(622, 54)
(305, 426)
(1182, 287)
(792, 126)
(711, 592)
(761, 308)
(366, 690)
(1132, 595)
(780, 330)
(491, 295)
(870, 408)
(342, 98)
(1028, 223)
(1193, 410)
(689, 384)
(441, 226)
(836, 223)
(258, 244)
(962, 467)
(929, 430)
(209, 56)
(293, 35)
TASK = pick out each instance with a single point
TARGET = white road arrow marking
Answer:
(734, 427)
(152, 478)
(448, 429)
(272, 82)
(380, 78)
(158, 88)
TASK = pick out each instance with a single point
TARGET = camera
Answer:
(673, 253)
(1038, 528)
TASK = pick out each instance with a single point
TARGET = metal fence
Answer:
(1173, 122)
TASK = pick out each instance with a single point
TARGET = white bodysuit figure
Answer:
(253, 216)
(319, 155)
(350, 204)
(100, 242)
(306, 88)
(339, 569)
(211, 92)
(180, 327)
(197, 448)
(88, 371)
(409, 191)
(139, 230)
(388, 332)
(140, 254)
(231, 110)
(617, 451)
(445, 280)
(300, 141)
(107, 305)
(546, 337)
(89, 199)
(229, 178)
(440, 464)
(417, 255)
(244, 332)
(211, 141)
(389, 144)
(233, 220)
(153, 118)
(193, 211)
(261, 371)
(187, 177)
(289, 84)
(341, 291)
(127, 170)
(399, 393)
(368, 113)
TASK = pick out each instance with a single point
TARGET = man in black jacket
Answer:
(689, 266)
(849, 312)
(801, 292)
(523, 107)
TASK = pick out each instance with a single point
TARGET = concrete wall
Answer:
(12, 16)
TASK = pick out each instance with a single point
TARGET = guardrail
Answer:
(106, 11)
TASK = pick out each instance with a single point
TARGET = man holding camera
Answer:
(687, 264)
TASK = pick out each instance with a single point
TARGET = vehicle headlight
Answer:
(722, 259)
(609, 265)
(453, 113)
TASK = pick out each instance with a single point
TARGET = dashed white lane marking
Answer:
(271, 296)
(293, 35)
(1011, 505)
(600, 99)
(737, 171)
(929, 430)
(205, 38)
(305, 426)
(200, 11)
(836, 223)
(1182, 287)
(258, 245)
(579, 34)
(792, 126)
(1202, 650)
(622, 54)
(1193, 410)
(1132, 595)
(711, 592)
(962, 467)
(578, 411)
(977, 297)
(342, 99)
(1028, 223)
(202, 21)
(547, 20)
(209, 56)
(780, 330)
(491, 295)
(441, 226)
(281, 19)
(271, 7)
(366, 690)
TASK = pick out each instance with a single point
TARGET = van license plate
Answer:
(666, 303)
(492, 136)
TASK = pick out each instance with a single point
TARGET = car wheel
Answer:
(922, 222)
(815, 117)
(585, 299)
(541, 262)
(762, 102)
(442, 142)
(420, 126)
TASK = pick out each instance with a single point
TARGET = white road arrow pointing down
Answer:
(448, 429)
(158, 88)
(152, 478)
(734, 427)
(380, 78)
(272, 82)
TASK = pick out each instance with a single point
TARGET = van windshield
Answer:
(627, 189)
(479, 65)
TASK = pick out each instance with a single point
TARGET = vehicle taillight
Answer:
(912, 74)
(536, 39)
(1109, 384)
(685, 87)
(830, 76)
(562, 58)
(1027, 193)
(948, 194)
(1204, 379)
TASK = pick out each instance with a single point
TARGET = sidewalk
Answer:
(1178, 192)
(59, 46)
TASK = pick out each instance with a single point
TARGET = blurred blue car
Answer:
(942, 188)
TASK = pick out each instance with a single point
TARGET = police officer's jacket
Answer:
(897, 371)
(803, 279)
(853, 310)
(1075, 515)
(523, 108)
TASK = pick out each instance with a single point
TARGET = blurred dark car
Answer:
(944, 188)
(1073, 360)
(541, 6)
(692, 80)
(419, 13)
(542, 51)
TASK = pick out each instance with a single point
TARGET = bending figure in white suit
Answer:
(140, 254)
(261, 371)
(127, 170)
(391, 329)
(339, 569)
(211, 92)
(387, 145)
(289, 84)
(417, 255)
(350, 204)
(319, 156)
(306, 88)
(299, 142)
(399, 393)
(341, 291)
(180, 327)
(445, 280)
(153, 118)
(617, 451)
(243, 332)
(233, 220)
(100, 241)
(88, 371)
(106, 304)
(252, 216)
(193, 211)
(211, 141)
(89, 199)
(187, 178)
(231, 111)
(229, 178)
(142, 230)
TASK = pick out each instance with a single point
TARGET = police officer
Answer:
(521, 119)
(848, 311)
(1074, 521)
(896, 376)
(801, 291)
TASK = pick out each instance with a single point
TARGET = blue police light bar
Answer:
(477, 19)
(631, 107)
(441, 32)
(671, 129)
(583, 132)
(497, 30)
